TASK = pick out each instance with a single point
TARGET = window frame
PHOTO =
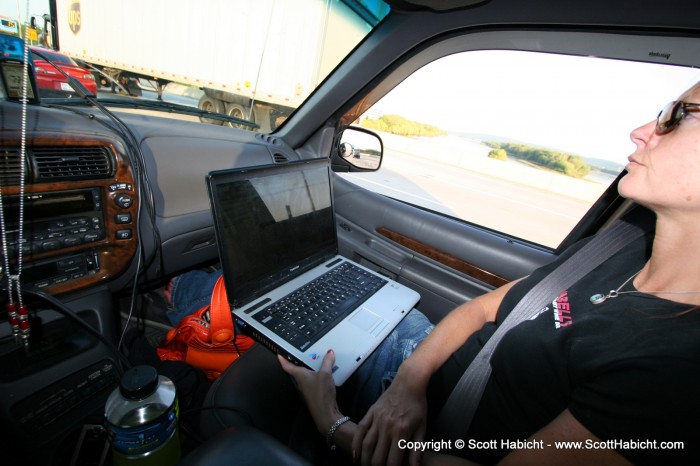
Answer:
(628, 45)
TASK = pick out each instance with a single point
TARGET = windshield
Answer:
(255, 61)
(53, 56)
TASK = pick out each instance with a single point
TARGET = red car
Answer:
(50, 79)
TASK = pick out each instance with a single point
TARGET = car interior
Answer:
(114, 204)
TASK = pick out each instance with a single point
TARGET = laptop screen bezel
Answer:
(239, 296)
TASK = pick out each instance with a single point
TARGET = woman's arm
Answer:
(318, 390)
(319, 386)
(400, 413)
(450, 334)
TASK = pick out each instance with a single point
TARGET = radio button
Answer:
(70, 262)
(88, 237)
(122, 218)
(121, 187)
(50, 245)
(123, 234)
(123, 200)
(78, 222)
(60, 279)
(72, 240)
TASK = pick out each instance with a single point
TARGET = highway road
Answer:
(516, 209)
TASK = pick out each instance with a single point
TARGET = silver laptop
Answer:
(287, 286)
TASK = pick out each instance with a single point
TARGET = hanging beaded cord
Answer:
(17, 311)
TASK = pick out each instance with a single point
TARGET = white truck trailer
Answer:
(247, 63)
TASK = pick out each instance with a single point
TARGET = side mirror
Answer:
(357, 149)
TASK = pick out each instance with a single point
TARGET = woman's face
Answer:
(664, 170)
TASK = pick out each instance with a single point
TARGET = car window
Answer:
(54, 57)
(255, 61)
(522, 143)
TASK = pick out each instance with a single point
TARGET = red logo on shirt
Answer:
(562, 310)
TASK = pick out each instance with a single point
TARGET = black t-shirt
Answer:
(628, 369)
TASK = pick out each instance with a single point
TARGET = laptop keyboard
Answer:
(305, 315)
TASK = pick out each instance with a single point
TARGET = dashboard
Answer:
(98, 192)
(107, 200)
(80, 207)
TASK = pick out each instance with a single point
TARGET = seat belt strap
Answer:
(458, 411)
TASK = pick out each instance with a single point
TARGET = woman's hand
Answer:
(399, 414)
(318, 390)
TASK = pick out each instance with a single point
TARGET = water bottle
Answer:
(141, 417)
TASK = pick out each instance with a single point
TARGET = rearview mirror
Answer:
(359, 150)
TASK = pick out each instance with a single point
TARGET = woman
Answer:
(618, 372)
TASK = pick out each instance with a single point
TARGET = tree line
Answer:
(571, 165)
(396, 124)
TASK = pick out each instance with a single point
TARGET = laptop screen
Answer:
(272, 223)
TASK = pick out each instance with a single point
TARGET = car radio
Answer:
(58, 270)
(55, 220)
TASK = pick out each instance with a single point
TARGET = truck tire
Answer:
(211, 105)
(239, 111)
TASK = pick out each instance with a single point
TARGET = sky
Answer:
(12, 8)
(582, 105)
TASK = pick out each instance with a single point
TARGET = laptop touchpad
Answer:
(364, 319)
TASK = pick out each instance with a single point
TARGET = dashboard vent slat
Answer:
(10, 167)
(280, 158)
(71, 163)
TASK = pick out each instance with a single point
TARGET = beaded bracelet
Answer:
(331, 431)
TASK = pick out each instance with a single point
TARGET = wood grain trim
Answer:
(444, 258)
(114, 255)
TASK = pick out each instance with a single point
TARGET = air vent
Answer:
(71, 163)
(10, 167)
(280, 158)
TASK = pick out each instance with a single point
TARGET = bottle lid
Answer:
(139, 382)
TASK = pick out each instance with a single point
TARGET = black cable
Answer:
(63, 309)
(133, 153)
(138, 163)
(143, 187)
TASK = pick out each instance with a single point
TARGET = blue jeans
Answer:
(378, 371)
(190, 291)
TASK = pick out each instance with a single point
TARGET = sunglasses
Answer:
(672, 114)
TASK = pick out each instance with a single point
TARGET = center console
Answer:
(77, 212)
(54, 221)
(55, 382)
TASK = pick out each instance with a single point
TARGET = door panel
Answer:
(447, 261)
